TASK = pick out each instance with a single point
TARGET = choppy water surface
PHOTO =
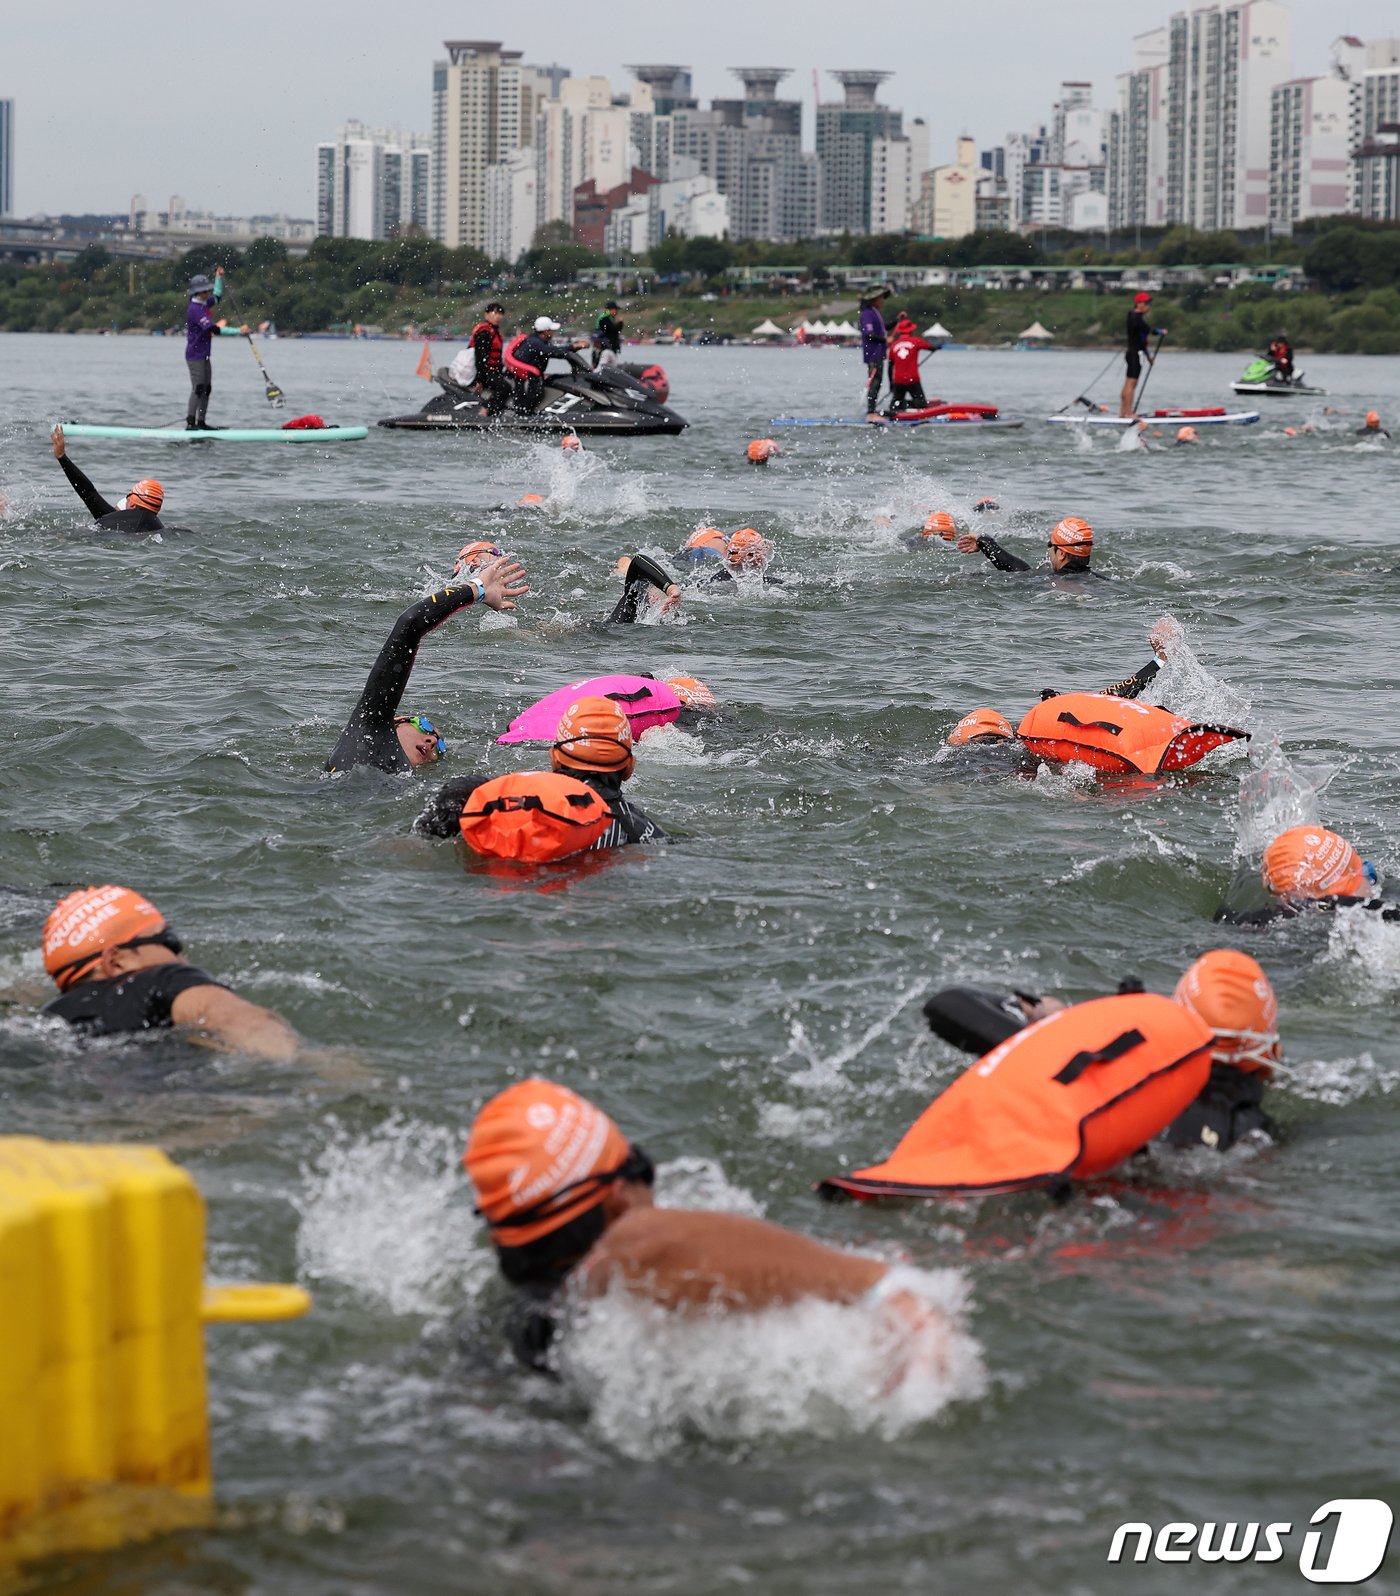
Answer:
(1213, 1341)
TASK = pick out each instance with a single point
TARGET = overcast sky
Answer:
(225, 105)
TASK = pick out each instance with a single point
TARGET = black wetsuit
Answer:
(138, 1001)
(1372, 432)
(1130, 687)
(1249, 902)
(370, 737)
(642, 574)
(975, 1021)
(1004, 560)
(441, 816)
(107, 515)
(606, 336)
(1138, 333)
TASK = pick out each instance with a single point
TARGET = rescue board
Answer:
(1237, 418)
(231, 435)
(968, 423)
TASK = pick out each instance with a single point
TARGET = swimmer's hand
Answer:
(502, 581)
(1164, 636)
(967, 543)
(56, 438)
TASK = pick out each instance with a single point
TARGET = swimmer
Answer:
(376, 733)
(1306, 868)
(985, 506)
(1225, 988)
(1372, 427)
(761, 451)
(472, 556)
(980, 728)
(746, 553)
(593, 744)
(568, 1205)
(534, 503)
(939, 524)
(137, 512)
(704, 543)
(118, 969)
(645, 586)
(571, 442)
(1071, 547)
(1187, 435)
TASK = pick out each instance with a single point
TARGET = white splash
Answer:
(656, 1380)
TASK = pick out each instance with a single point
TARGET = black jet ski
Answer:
(609, 400)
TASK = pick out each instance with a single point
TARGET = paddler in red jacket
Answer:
(906, 389)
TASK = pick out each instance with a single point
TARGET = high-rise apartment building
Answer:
(512, 205)
(1373, 130)
(372, 182)
(1224, 63)
(7, 157)
(485, 107)
(574, 131)
(846, 135)
(1309, 154)
(1137, 137)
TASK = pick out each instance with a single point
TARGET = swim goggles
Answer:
(423, 724)
(1248, 1047)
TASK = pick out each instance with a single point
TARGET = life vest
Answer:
(493, 349)
(1118, 734)
(517, 368)
(303, 423)
(533, 816)
(1066, 1098)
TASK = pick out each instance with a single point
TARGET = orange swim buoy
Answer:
(1118, 734)
(1066, 1098)
(533, 816)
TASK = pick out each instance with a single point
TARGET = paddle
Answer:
(1151, 366)
(1082, 399)
(275, 396)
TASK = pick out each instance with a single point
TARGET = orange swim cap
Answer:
(594, 735)
(1373, 418)
(761, 451)
(706, 537)
(570, 440)
(472, 555)
(1186, 435)
(1073, 536)
(539, 1155)
(942, 523)
(1310, 862)
(748, 550)
(691, 692)
(1290, 432)
(86, 923)
(981, 726)
(147, 494)
(531, 499)
(1230, 992)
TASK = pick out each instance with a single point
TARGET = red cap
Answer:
(1141, 299)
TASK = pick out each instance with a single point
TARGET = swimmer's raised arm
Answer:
(983, 543)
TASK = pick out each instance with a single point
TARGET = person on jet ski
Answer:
(486, 344)
(1281, 356)
(536, 350)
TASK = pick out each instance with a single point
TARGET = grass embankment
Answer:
(302, 298)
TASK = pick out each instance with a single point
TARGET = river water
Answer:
(1212, 1339)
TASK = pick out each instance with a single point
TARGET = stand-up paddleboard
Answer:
(969, 422)
(1196, 418)
(231, 435)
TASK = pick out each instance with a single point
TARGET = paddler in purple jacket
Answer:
(872, 348)
(200, 328)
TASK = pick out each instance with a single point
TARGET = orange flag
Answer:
(425, 366)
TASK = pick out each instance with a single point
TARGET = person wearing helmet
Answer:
(1225, 988)
(906, 385)
(200, 330)
(1138, 333)
(1372, 427)
(570, 1213)
(1305, 868)
(137, 512)
(118, 969)
(593, 744)
(1071, 548)
(647, 587)
(376, 733)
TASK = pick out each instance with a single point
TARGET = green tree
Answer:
(265, 252)
(668, 257)
(707, 256)
(90, 260)
(1334, 261)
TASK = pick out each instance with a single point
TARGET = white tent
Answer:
(938, 330)
(1035, 330)
(848, 331)
(810, 329)
(767, 329)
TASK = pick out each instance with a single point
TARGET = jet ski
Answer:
(610, 400)
(1262, 377)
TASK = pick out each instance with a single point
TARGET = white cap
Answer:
(544, 324)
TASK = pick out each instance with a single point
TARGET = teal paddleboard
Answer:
(232, 435)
